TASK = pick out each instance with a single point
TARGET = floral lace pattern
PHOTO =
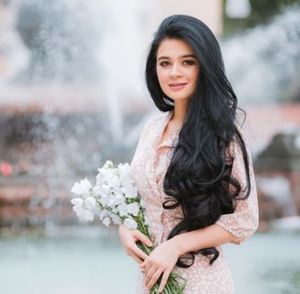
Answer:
(148, 168)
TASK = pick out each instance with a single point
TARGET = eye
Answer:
(189, 62)
(164, 63)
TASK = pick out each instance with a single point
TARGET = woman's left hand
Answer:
(161, 261)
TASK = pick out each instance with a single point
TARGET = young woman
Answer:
(192, 164)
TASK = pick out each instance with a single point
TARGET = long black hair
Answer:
(199, 175)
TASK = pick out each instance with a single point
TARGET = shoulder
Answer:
(152, 121)
(156, 117)
(239, 136)
(149, 128)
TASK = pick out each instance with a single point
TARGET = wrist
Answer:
(178, 244)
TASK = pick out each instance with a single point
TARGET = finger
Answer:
(142, 237)
(144, 263)
(154, 278)
(149, 273)
(136, 258)
(139, 253)
(164, 280)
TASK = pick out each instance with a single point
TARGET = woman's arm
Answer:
(235, 227)
(164, 257)
(243, 222)
(211, 236)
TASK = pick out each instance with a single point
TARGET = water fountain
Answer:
(278, 177)
(59, 125)
(264, 68)
(70, 107)
(62, 113)
(266, 59)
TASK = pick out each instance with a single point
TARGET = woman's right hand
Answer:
(129, 238)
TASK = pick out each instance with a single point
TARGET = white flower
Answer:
(83, 214)
(118, 199)
(115, 210)
(106, 221)
(124, 170)
(97, 210)
(117, 191)
(105, 198)
(130, 223)
(99, 179)
(123, 210)
(124, 174)
(115, 200)
(116, 219)
(98, 191)
(103, 179)
(108, 164)
(77, 201)
(133, 208)
(90, 203)
(84, 208)
(130, 191)
(108, 198)
(112, 202)
(109, 177)
(82, 188)
(104, 213)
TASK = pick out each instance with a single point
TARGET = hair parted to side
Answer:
(199, 175)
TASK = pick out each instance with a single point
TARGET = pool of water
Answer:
(91, 261)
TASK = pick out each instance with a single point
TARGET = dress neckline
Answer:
(169, 142)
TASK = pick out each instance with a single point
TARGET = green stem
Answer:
(172, 285)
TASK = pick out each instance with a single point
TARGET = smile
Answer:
(177, 86)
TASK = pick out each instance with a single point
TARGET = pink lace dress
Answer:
(148, 167)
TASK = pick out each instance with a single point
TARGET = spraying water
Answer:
(267, 59)
(81, 66)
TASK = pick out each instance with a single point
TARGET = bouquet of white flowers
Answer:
(115, 199)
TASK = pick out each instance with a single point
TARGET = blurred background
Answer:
(72, 95)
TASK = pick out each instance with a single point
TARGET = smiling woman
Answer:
(192, 165)
(177, 69)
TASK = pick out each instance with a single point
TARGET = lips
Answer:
(177, 86)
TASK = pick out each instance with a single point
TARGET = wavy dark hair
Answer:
(199, 175)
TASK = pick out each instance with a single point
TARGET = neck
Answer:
(178, 113)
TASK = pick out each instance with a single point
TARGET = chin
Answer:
(180, 97)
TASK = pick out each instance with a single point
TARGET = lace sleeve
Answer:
(244, 221)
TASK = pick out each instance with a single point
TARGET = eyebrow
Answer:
(183, 56)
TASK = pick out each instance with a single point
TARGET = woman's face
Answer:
(177, 69)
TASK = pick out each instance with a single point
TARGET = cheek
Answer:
(193, 78)
(162, 78)
(194, 75)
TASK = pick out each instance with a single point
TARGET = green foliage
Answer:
(261, 12)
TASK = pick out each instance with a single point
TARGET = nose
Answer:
(176, 70)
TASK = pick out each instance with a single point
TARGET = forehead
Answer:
(174, 48)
